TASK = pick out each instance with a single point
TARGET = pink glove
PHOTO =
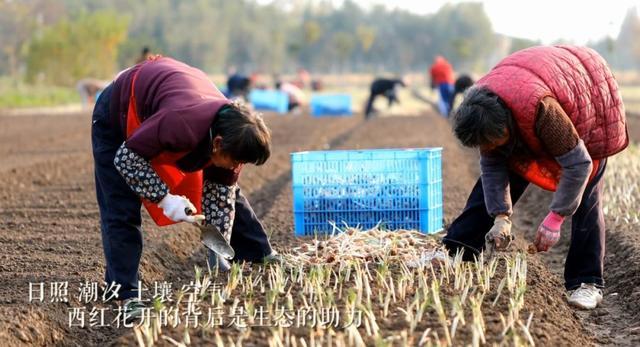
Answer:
(548, 232)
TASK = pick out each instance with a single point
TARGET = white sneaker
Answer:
(587, 297)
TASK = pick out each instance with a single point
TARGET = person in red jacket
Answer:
(442, 78)
(549, 116)
(165, 136)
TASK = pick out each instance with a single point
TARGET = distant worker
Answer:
(303, 79)
(441, 74)
(89, 90)
(383, 87)
(317, 85)
(462, 83)
(297, 98)
(144, 54)
(550, 116)
(238, 86)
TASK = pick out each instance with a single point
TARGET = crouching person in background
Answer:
(386, 87)
(297, 98)
(238, 87)
(163, 135)
(461, 85)
(89, 89)
(549, 116)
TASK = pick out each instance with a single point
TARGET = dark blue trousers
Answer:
(120, 218)
(585, 260)
(446, 96)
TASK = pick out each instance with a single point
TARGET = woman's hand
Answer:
(500, 233)
(548, 232)
(179, 209)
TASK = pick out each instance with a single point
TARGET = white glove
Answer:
(500, 233)
(179, 209)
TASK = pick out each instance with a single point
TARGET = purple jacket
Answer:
(176, 104)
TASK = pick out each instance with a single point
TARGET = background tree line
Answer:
(61, 41)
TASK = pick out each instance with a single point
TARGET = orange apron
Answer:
(179, 182)
(545, 173)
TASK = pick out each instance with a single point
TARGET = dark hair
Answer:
(199, 157)
(245, 136)
(481, 118)
(462, 83)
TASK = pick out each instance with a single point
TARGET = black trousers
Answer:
(389, 94)
(120, 218)
(585, 260)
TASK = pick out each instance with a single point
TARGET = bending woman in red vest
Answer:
(163, 135)
(548, 116)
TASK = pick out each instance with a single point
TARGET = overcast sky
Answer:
(546, 20)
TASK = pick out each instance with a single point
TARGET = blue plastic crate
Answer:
(269, 100)
(330, 105)
(399, 188)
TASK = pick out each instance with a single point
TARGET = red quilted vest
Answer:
(579, 79)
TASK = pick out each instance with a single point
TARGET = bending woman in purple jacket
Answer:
(179, 114)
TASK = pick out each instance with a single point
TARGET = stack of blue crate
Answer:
(330, 105)
(269, 100)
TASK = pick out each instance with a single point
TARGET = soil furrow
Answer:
(48, 199)
(616, 321)
(49, 228)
